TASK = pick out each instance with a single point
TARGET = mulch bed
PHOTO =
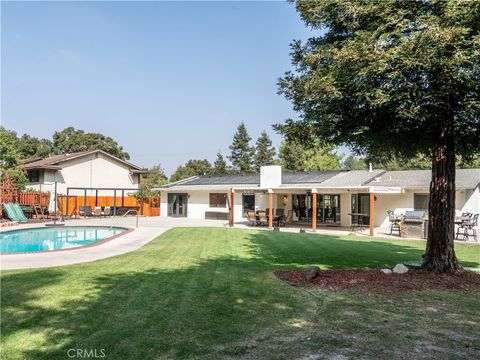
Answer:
(372, 280)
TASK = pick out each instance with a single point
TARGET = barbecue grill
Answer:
(414, 224)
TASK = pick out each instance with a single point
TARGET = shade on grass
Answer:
(210, 292)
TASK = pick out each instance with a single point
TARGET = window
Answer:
(218, 200)
(34, 176)
(248, 201)
(420, 202)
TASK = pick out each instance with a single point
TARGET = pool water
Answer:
(54, 238)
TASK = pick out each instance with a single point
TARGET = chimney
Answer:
(270, 176)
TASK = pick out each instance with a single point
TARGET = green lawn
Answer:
(210, 293)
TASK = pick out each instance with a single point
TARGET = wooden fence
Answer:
(150, 207)
(34, 198)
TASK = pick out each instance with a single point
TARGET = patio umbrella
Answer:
(51, 203)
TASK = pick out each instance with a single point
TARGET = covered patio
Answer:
(306, 207)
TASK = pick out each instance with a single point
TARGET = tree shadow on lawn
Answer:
(155, 313)
(213, 304)
(282, 250)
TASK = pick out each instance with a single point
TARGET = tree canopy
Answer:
(71, 140)
(192, 168)
(148, 182)
(10, 158)
(384, 73)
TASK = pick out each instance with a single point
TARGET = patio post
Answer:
(85, 203)
(68, 190)
(314, 210)
(372, 212)
(232, 204)
(270, 210)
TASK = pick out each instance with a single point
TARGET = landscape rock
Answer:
(386, 271)
(312, 273)
(400, 269)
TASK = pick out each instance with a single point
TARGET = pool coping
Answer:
(100, 242)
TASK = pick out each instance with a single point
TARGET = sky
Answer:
(170, 81)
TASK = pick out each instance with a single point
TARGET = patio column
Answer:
(85, 203)
(314, 210)
(372, 212)
(232, 206)
(270, 210)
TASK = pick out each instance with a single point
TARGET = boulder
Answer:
(386, 271)
(400, 269)
(312, 273)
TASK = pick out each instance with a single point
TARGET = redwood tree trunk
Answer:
(440, 254)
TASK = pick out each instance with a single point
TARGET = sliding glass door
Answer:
(328, 208)
(177, 205)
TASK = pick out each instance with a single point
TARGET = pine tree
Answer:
(292, 157)
(220, 165)
(264, 151)
(241, 152)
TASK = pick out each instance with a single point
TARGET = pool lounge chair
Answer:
(10, 212)
(85, 211)
(18, 210)
(97, 211)
(107, 211)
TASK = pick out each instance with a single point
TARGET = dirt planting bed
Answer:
(372, 280)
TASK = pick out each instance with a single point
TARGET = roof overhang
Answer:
(43, 167)
(138, 171)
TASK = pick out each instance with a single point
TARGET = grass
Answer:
(209, 293)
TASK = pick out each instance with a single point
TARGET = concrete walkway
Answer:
(149, 228)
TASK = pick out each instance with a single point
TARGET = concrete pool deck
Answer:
(149, 229)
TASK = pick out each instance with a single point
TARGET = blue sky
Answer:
(169, 81)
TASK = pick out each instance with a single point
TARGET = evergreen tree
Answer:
(395, 79)
(220, 165)
(241, 153)
(292, 156)
(264, 151)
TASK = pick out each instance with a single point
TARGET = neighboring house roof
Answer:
(53, 162)
(466, 179)
(420, 179)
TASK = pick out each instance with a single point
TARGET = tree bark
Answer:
(440, 253)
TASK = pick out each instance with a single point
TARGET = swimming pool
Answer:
(55, 238)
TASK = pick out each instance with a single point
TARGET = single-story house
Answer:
(94, 169)
(336, 194)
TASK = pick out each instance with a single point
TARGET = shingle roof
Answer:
(311, 177)
(53, 162)
(353, 178)
(465, 178)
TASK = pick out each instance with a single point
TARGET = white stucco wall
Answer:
(94, 170)
(472, 201)
(198, 204)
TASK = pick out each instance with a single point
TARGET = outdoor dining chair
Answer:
(468, 228)
(394, 222)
